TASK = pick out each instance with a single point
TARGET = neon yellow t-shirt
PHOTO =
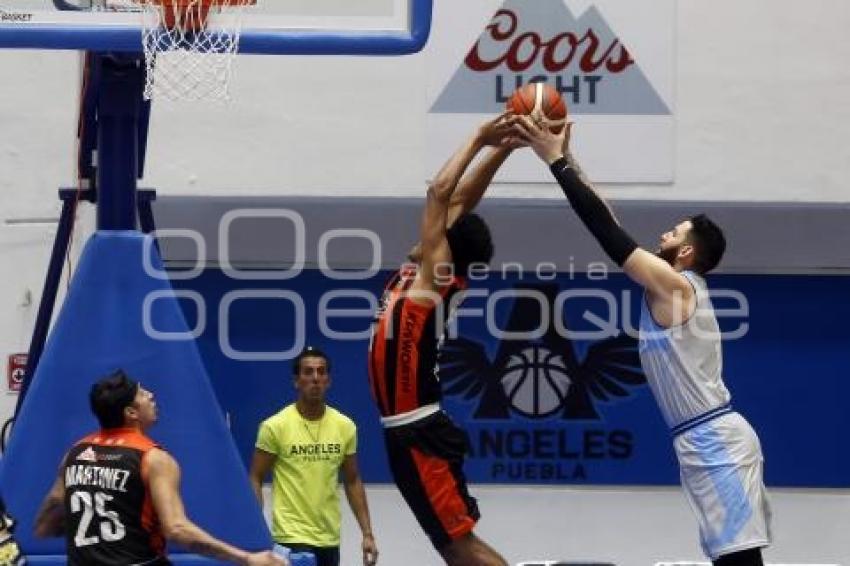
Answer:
(305, 477)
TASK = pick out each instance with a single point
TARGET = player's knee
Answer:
(489, 557)
(469, 550)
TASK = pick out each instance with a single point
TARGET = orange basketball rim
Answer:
(191, 15)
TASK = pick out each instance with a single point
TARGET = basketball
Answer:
(536, 382)
(542, 102)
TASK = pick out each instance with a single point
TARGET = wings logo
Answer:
(540, 379)
(542, 41)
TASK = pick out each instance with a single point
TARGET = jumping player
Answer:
(425, 448)
(720, 457)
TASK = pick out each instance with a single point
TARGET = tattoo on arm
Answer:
(582, 176)
(573, 162)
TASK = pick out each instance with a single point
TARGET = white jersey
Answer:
(720, 458)
(683, 364)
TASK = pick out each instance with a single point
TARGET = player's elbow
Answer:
(350, 480)
(440, 191)
(177, 530)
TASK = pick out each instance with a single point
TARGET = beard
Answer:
(668, 255)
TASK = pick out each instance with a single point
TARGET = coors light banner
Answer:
(611, 60)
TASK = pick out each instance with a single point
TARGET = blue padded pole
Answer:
(48, 295)
(119, 110)
(146, 220)
(51, 286)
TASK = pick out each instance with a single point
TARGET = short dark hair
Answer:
(110, 396)
(470, 242)
(309, 352)
(708, 241)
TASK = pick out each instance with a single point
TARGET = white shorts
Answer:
(722, 469)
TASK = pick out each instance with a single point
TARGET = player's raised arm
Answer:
(435, 216)
(645, 268)
(474, 184)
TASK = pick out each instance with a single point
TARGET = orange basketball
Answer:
(542, 102)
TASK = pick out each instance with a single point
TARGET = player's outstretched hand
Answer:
(370, 551)
(567, 133)
(546, 144)
(267, 558)
(494, 131)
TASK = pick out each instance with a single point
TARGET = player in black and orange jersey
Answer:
(117, 497)
(425, 448)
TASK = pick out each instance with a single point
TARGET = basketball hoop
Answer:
(186, 59)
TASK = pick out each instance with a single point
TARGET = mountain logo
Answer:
(543, 41)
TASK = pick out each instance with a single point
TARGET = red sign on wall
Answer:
(15, 371)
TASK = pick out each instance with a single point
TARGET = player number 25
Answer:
(111, 528)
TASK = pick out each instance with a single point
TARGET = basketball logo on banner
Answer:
(536, 405)
(536, 382)
(540, 379)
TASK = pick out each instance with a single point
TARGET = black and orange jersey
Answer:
(110, 519)
(403, 350)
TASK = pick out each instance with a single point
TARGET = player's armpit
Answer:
(669, 290)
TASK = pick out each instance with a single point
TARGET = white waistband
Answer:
(410, 416)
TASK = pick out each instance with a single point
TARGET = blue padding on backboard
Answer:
(101, 328)
(337, 42)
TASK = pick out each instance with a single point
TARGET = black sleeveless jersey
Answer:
(109, 516)
(406, 336)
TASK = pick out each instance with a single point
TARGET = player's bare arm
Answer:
(356, 495)
(50, 520)
(261, 464)
(435, 247)
(164, 479)
(474, 184)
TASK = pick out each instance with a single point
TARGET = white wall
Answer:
(761, 114)
(25, 252)
(37, 116)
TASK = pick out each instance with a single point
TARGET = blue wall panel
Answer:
(787, 375)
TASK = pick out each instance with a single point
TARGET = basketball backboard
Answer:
(284, 27)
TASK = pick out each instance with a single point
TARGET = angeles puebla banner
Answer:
(540, 406)
(567, 404)
(611, 60)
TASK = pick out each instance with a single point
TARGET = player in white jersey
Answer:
(720, 458)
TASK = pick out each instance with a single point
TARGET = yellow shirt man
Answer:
(305, 476)
(307, 446)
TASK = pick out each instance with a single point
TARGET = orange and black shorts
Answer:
(426, 460)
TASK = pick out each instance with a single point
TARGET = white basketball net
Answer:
(189, 60)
